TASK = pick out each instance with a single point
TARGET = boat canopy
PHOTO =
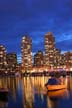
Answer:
(53, 81)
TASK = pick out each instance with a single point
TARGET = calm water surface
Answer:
(29, 92)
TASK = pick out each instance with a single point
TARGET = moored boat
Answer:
(54, 84)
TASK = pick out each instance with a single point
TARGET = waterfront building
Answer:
(62, 62)
(18, 67)
(11, 59)
(49, 50)
(2, 58)
(68, 60)
(26, 50)
(39, 59)
(57, 57)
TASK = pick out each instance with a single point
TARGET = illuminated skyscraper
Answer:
(49, 49)
(11, 58)
(2, 55)
(26, 49)
(62, 60)
(39, 59)
(57, 57)
(3, 63)
(11, 62)
(68, 60)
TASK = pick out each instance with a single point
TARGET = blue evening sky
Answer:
(35, 18)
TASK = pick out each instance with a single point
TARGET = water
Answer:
(30, 92)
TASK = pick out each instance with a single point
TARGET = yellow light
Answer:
(70, 69)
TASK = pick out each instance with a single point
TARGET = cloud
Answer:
(65, 45)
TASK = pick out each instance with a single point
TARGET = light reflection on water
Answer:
(30, 92)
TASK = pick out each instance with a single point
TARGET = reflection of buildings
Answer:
(26, 49)
(28, 93)
(49, 49)
(38, 59)
(52, 103)
(3, 104)
(3, 82)
(34, 91)
(2, 58)
(13, 86)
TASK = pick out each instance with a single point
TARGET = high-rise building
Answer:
(11, 62)
(62, 60)
(68, 60)
(26, 49)
(11, 58)
(39, 59)
(2, 55)
(57, 57)
(2, 58)
(49, 49)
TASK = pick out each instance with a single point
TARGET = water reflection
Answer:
(55, 96)
(37, 96)
(30, 92)
(3, 104)
(33, 90)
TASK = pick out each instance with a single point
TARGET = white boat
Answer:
(54, 84)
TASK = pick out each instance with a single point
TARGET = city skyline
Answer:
(27, 41)
(35, 18)
(19, 57)
(35, 53)
(49, 59)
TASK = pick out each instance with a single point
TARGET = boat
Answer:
(54, 84)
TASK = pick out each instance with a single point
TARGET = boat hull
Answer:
(57, 93)
(55, 87)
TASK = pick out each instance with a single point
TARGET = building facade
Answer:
(11, 58)
(26, 50)
(68, 60)
(39, 59)
(57, 58)
(3, 62)
(49, 49)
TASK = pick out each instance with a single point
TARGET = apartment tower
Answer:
(49, 50)
(26, 50)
